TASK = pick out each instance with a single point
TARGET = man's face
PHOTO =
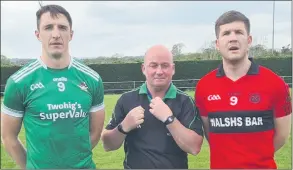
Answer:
(55, 34)
(233, 41)
(158, 69)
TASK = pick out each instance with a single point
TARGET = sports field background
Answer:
(114, 159)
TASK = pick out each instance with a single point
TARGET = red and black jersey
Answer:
(241, 116)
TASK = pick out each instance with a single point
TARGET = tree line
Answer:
(207, 53)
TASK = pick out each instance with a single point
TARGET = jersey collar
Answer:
(171, 93)
(253, 69)
(45, 66)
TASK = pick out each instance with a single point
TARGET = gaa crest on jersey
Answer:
(254, 98)
(83, 86)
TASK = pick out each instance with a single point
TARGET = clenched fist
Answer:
(159, 109)
(133, 119)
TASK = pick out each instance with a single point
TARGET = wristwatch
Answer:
(120, 129)
(169, 120)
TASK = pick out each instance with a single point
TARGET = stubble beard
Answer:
(235, 59)
(161, 87)
(56, 56)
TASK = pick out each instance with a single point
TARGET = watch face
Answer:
(169, 120)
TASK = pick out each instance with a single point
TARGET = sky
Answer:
(129, 28)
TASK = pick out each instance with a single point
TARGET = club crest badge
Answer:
(83, 86)
(254, 98)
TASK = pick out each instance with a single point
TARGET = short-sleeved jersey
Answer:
(55, 106)
(241, 116)
(152, 145)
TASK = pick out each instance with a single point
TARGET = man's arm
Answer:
(96, 126)
(97, 110)
(10, 127)
(188, 132)
(112, 138)
(205, 122)
(12, 112)
(282, 131)
(282, 112)
(186, 128)
(188, 140)
(200, 107)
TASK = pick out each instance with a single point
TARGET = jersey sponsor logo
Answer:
(37, 86)
(234, 94)
(64, 105)
(236, 121)
(241, 122)
(74, 110)
(60, 79)
(214, 97)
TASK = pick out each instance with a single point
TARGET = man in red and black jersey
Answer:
(245, 107)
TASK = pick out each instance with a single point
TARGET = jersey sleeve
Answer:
(13, 100)
(118, 115)
(190, 118)
(98, 96)
(199, 101)
(282, 105)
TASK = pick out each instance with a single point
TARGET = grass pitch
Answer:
(114, 159)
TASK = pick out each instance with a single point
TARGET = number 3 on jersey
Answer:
(233, 100)
(61, 86)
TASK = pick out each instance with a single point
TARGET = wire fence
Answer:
(119, 87)
(123, 86)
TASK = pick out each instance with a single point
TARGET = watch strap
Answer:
(120, 129)
(169, 120)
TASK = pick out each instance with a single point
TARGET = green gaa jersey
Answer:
(56, 107)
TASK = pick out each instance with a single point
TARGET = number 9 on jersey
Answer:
(61, 86)
(233, 100)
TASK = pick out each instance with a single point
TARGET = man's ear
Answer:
(71, 35)
(249, 40)
(217, 44)
(143, 68)
(37, 33)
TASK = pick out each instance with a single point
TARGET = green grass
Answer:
(113, 160)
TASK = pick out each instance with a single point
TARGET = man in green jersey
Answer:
(59, 100)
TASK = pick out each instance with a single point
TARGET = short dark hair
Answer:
(231, 16)
(54, 11)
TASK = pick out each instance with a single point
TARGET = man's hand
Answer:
(159, 109)
(133, 119)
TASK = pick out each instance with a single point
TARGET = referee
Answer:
(157, 122)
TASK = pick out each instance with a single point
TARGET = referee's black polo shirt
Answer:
(152, 145)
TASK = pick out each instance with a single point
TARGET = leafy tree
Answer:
(286, 49)
(5, 61)
(177, 49)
